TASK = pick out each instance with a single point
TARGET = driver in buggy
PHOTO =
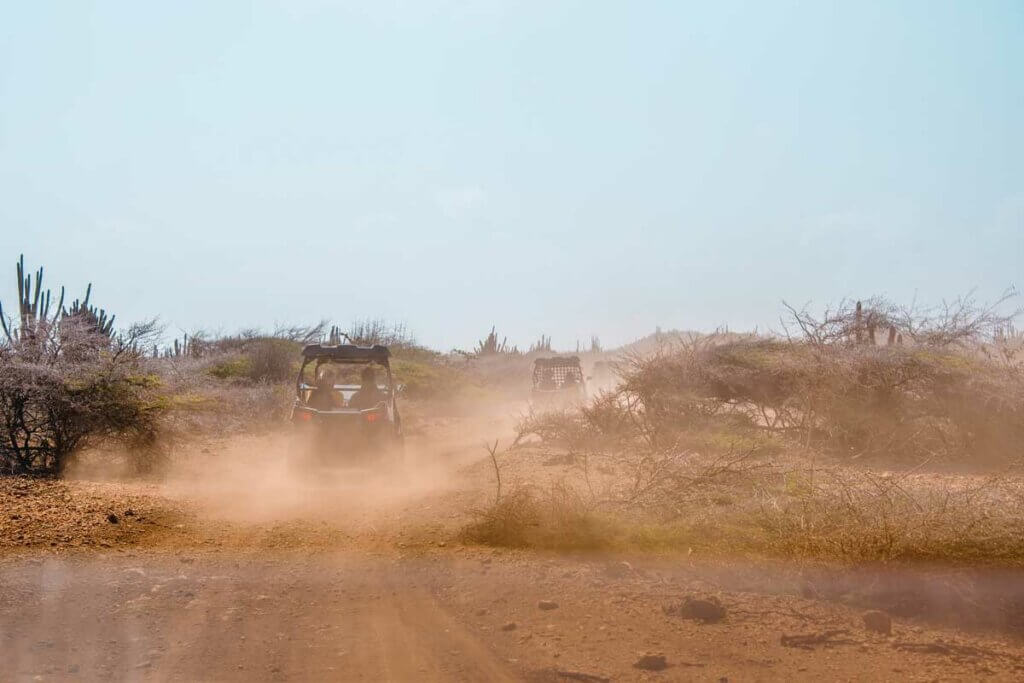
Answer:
(324, 397)
(368, 394)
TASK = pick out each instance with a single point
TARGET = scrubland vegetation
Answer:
(71, 382)
(873, 432)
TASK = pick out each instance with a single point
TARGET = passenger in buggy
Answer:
(368, 395)
(324, 397)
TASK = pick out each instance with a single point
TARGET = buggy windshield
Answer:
(329, 384)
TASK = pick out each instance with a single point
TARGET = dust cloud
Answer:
(272, 478)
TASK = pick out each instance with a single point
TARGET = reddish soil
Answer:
(243, 570)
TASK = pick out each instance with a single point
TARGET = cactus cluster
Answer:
(187, 346)
(543, 344)
(33, 308)
(96, 319)
(38, 319)
(490, 345)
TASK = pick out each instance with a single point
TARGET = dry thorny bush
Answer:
(949, 391)
(621, 472)
(68, 385)
(692, 427)
(725, 499)
(866, 516)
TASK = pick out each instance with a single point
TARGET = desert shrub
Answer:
(67, 380)
(609, 417)
(52, 406)
(231, 367)
(272, 359)
(552, 517)
(860, 516)
(370, 331)
(217, 395)
(428, 379)
(562, 427)
(254, 357)
(507, 522)
(835, 390)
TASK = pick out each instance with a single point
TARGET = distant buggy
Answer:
(345, 400)
(558, 382)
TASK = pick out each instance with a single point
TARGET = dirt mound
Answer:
(56, 514)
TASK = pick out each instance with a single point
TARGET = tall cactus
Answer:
(490, 345)
(33, 307)
(95, 318)
(544, 344)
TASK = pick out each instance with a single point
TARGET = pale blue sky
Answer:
(552, 167)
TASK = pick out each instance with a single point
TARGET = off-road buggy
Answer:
(345, 400)
(558, 382)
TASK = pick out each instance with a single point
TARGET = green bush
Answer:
(235, 367)
(259, 359)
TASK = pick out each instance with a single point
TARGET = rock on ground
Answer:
(707, 609)
(651, 663)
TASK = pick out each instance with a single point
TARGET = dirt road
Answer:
(246, 618)
(268, 575)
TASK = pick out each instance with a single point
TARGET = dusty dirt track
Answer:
(244, 570)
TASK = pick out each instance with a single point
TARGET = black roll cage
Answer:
(344, 354)
(560, 367)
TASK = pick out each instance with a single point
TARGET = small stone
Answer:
(547, 604)
(510, 626)
(129, 513)
(112, 518)
(651, 663)
(878, 621)
(706, 610)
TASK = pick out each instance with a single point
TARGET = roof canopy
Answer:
(347, 352)
(557, 362)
